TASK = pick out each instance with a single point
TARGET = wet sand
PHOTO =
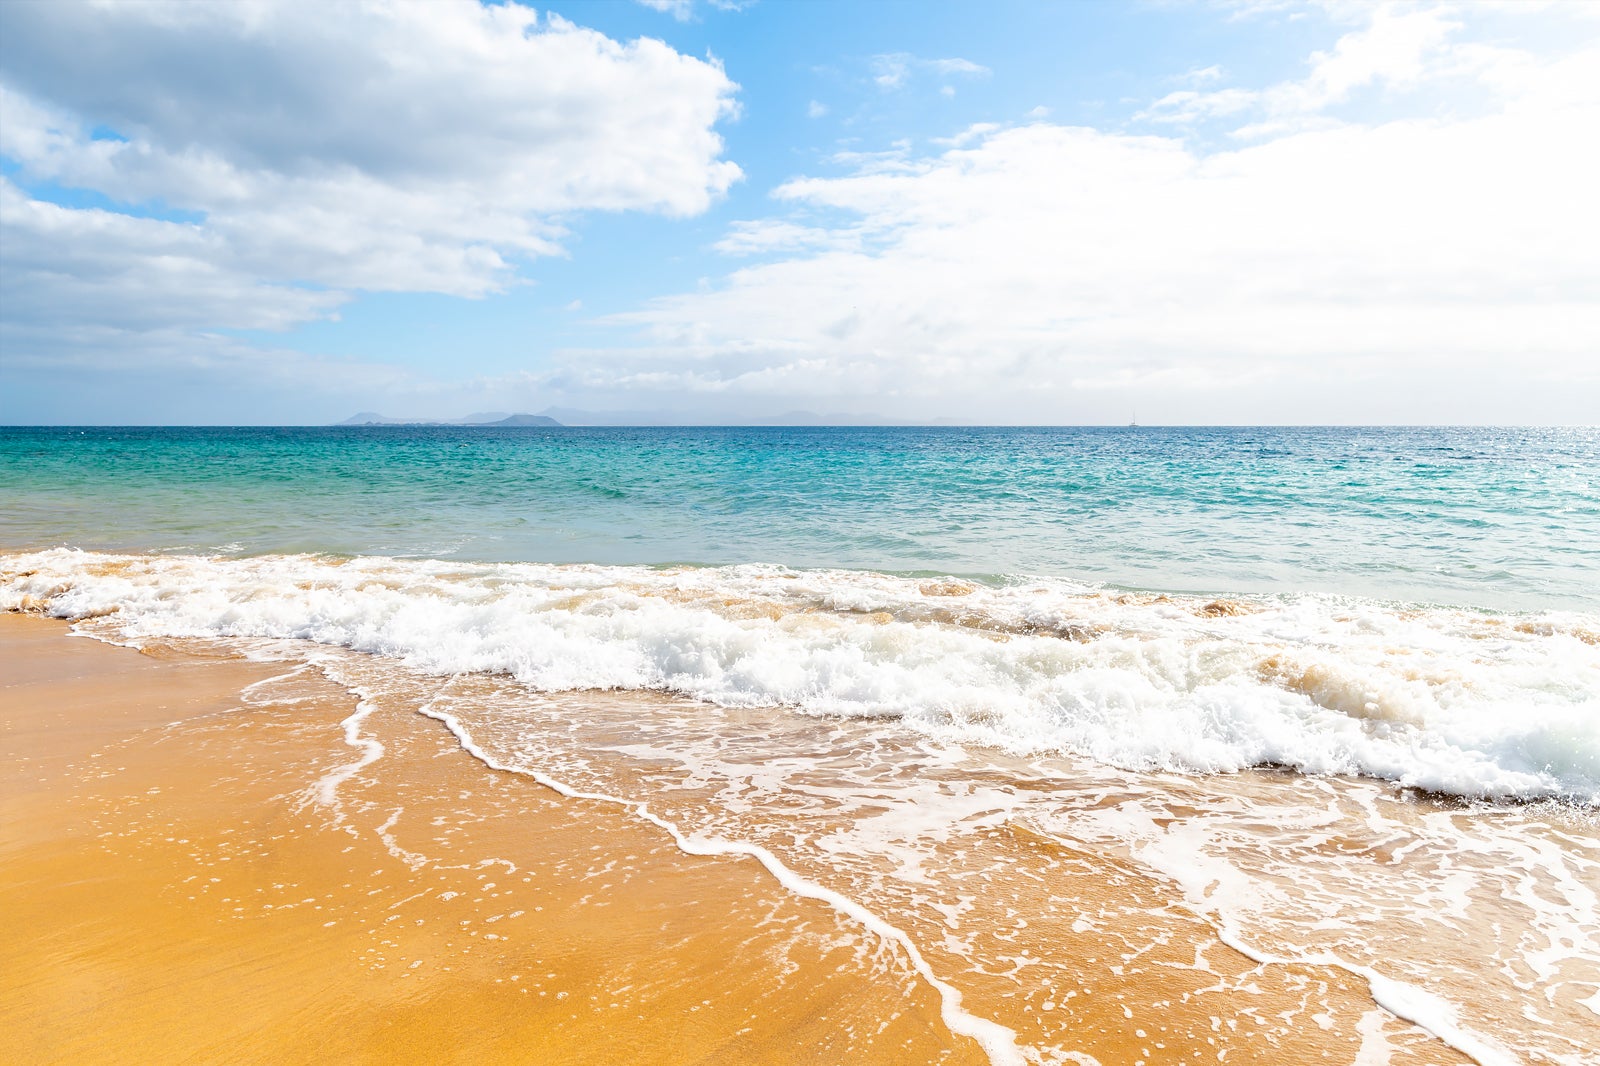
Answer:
(171, 892)
(203, 862)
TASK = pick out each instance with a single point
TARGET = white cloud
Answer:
(894, 158)
(1186, 106)
(90, 266)
(816, 109)
(1396, 48)
(678, 9)
(767, 236)
(683, 10)
(893, 70)
(976, 131)
(1443, 263)
(385, 146)
(956, 66)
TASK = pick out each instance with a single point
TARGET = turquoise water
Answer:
(1488, 517)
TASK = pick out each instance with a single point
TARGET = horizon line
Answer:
(802, 425)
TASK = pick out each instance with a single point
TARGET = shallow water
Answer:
(1461, 702)
(1013, 789)
(1489, 517)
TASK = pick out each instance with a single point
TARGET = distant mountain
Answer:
(572, 416)
(372, 418)
(520, 420)
(812, 418)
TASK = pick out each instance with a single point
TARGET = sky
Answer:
(715, 211)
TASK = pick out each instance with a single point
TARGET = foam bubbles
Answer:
(1452, 701)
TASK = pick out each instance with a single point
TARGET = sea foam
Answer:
(1454, 701)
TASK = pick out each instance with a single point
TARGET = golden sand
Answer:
(191, 874)
(169, 895)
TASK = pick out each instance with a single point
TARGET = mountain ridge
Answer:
(495, 418)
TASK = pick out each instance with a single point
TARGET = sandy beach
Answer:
(733, 533)
(171, 893)
(210, 859)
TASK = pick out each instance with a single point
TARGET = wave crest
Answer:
(1445, 700)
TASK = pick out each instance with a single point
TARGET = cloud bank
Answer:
(250, 164)
(1404, 230)
(1314, 266)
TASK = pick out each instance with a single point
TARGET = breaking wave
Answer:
(1454, 701)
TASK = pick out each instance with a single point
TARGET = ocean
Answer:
(1035, 709)
(1494, 518)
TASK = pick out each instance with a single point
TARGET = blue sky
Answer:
(1047, 213)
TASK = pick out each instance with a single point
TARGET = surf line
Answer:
(997, 1042)
(1430, 1013)
(325, 790)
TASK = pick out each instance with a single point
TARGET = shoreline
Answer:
(209, 851)
(169, 892)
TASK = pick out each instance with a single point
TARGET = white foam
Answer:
(326, 788)
(1142, 682)
(1444, 700)
(998, 1042)
(1250, 894)
(1426, 1011)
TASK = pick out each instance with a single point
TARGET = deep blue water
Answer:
(1493, 517)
